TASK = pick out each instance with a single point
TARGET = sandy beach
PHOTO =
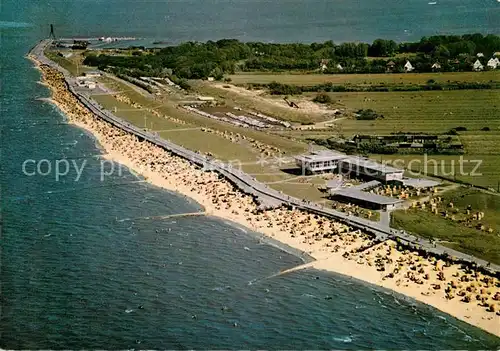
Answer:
(465, 294)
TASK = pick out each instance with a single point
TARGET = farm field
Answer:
(362, 79)
(453, 234)
(424, 111)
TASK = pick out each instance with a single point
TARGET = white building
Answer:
(477, 66)
(323, 65)
(339, 67)
(319, 161)
(408, 67)
(480, 54)
(329, 161)
(206, 98)
(436, 66)
(493, 63)
(360, 166)
(92, 74)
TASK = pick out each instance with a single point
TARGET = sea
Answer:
(91, 262)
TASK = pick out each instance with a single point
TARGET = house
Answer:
(436, 66)
(390, 66)
(408, 67)
(497, 54)
(323, 65)
(493, 63)
(480, 54)
(210, 79)
(477, 66)
(339, 67)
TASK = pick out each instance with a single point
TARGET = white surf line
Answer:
(176, 215)
(286, 271)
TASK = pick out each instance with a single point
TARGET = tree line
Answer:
(196, 60)
(276, 88)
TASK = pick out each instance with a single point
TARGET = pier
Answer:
(265, 196)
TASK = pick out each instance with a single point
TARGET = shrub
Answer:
(368, 114)
(485, 129)
(284, 89)
(460, 129)
(184, 84)
(322, 98)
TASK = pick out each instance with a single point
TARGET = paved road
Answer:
(266, 196)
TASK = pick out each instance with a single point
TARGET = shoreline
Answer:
(332, 245)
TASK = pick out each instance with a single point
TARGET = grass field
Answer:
(425, 111)
(455, 235)
(168, 106)
(188, 136)
(363, 79)
(487, 173)
(264, 105)
(69, 63)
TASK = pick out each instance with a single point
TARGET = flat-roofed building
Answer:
(319, 161)
(92, 74)
(329, 161)
(360, 166)
(366, 200)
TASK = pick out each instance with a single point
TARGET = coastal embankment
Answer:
(465, 293)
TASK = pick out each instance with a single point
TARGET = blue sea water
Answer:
(82, 266)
